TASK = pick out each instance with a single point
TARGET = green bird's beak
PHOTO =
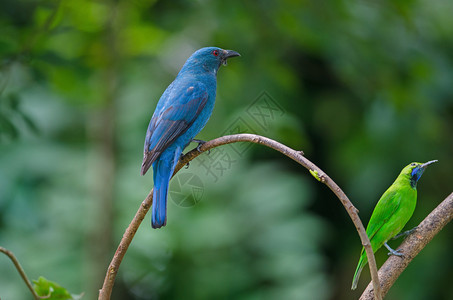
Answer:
(428, 163)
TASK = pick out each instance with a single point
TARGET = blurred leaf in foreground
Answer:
(52, 290)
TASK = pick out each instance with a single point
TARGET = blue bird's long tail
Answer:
(163, 170)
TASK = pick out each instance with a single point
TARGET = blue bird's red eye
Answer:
(215, 52)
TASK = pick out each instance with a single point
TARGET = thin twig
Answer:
(128, 235)
(105, 292)
(412, 245)
(20, 270)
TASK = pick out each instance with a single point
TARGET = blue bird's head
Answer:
(415, 170)
(208, 59)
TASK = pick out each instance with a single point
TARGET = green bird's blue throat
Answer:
(418, 171)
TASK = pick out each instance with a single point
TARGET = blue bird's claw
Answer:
(181, 157)
(200, 143)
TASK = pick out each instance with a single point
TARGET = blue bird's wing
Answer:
(181, 108)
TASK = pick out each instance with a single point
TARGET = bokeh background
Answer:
(362, 87)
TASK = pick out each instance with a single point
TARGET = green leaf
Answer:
(52, 290)
(315, 174)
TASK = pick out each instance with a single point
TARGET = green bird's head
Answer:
(414, 171)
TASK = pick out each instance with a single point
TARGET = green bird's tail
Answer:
(362, 262)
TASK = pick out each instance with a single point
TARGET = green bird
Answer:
(392, 212)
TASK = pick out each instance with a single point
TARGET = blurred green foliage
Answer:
(52, 291)
(363, 88)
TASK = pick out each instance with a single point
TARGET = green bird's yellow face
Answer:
(414, 171)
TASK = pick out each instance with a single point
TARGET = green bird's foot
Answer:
(405, 233)
(396, 253)
(200, 143)
(393, 252)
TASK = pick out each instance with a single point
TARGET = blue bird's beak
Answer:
(227, 54)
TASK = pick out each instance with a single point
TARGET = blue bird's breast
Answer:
(202, 118)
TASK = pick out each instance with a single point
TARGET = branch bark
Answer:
(105, 292)
(412, 245)
(20, 270)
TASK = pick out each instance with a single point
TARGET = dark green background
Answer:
(362, 87)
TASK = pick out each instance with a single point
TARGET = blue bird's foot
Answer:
(181, 157)
(405, 233)
(393, 252)
(200, 143)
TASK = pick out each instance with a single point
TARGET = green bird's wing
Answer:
(379, 221)
(378, 227)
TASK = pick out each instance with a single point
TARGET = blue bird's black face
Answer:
(212, 57)
(418, 170)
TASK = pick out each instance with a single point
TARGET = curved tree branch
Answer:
(20, 270)
(297, 156)
(412, 245)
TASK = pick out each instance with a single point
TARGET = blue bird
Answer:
(181, 113)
